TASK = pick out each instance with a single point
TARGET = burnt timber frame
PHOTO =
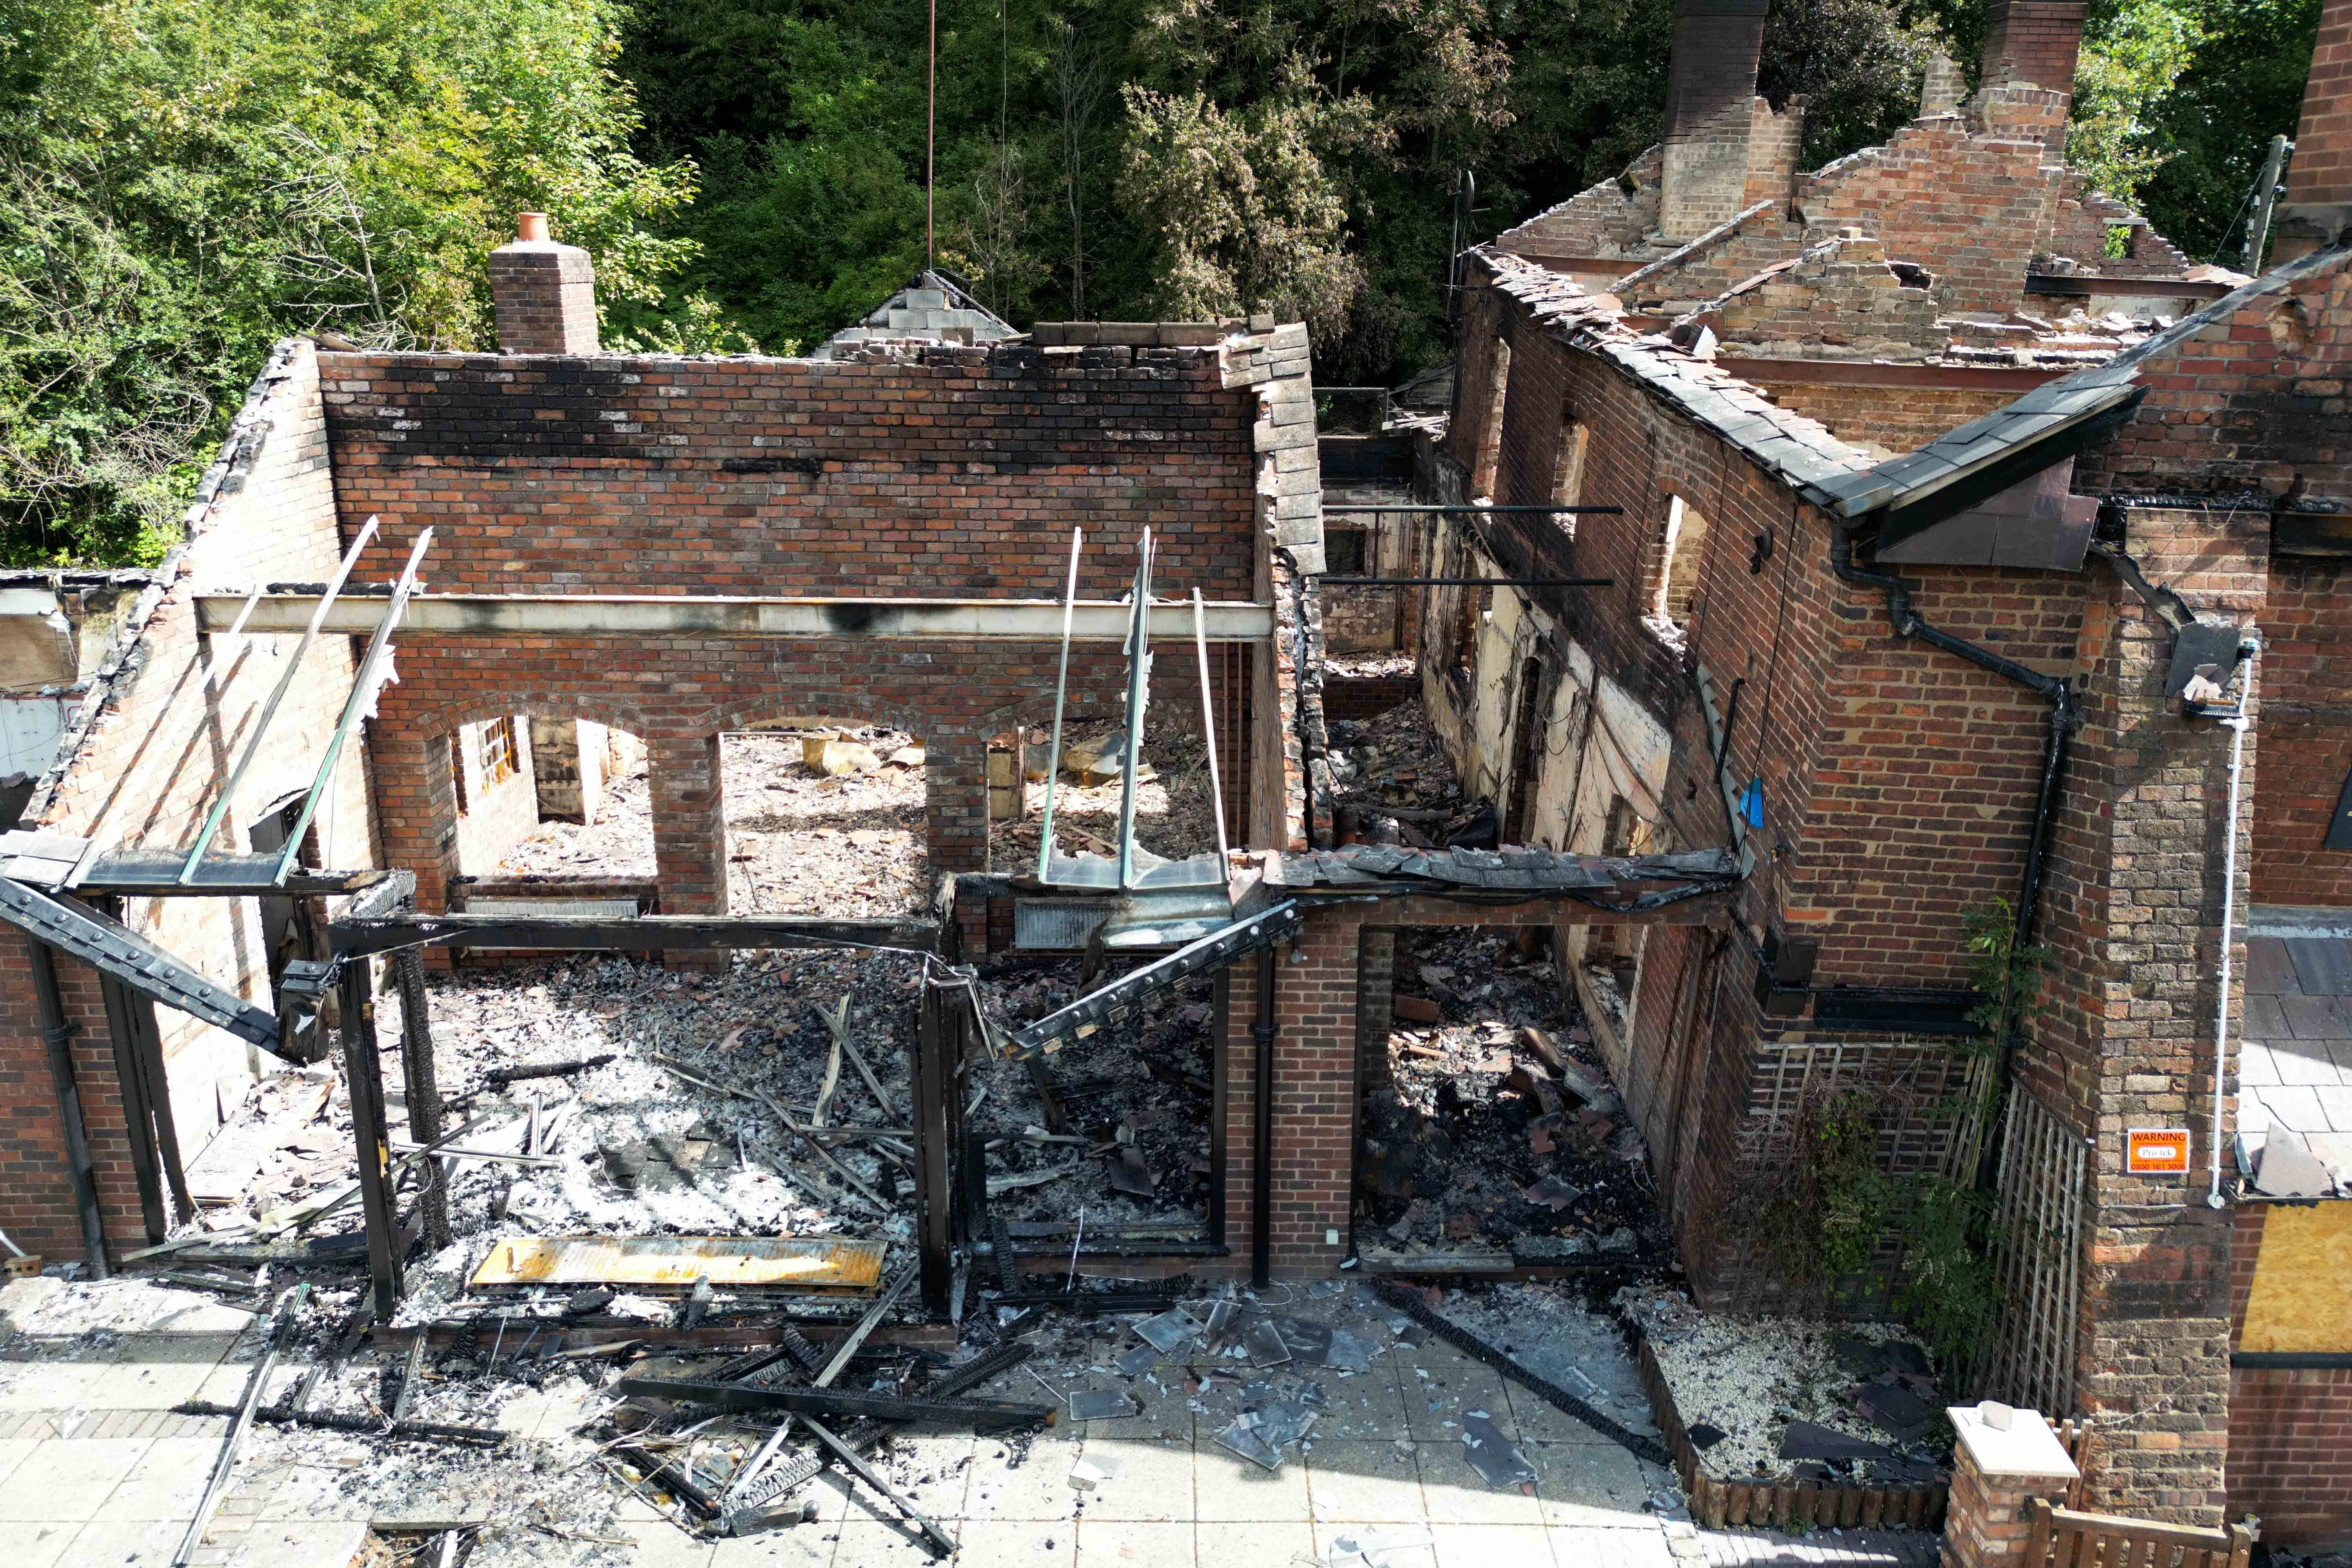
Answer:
(353, 940)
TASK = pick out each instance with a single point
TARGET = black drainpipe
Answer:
(2063, 716)
(1262, 1164)
(57, 1033)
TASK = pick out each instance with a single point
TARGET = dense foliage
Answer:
(181, 181)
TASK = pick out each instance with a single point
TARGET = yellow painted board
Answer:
(2302, 1295)
(676, 1262)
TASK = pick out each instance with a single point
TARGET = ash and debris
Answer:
(1477, 1140)
(1375, 664)
(1110, 1097)
(643, 1148)
(799, 841)
(1175, 812)
(1754, 1379)
(1392, 780)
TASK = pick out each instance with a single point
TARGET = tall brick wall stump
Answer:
(1710, 99)
(1996, 1471)
(2035, 43)
(2318, 207)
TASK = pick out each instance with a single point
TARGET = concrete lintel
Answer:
(1027, 620)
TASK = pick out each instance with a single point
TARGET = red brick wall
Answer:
(141, 769)
(960, 475)
(2256, 402)
(2322, 170)
(2290, 1428)
(2033, 41)
(1898, 418)
(2306, 732)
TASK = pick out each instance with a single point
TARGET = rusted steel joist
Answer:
(980, 1413)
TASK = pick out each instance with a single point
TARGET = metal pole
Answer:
(364, 1083)
(2258, 228)
(1061, 688)
(363, 695)
(1262, 1162)
(138, 1120)
(1138, 697)
(60, 1035)
(1471, 581)
(1208, 720)
(2238, 724)
(1417, 507)
(289, 1307)
(269, 709)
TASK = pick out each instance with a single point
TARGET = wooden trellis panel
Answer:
(2043, 1164)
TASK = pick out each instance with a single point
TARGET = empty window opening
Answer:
(1468, 1143)
(1527, 751)
(1475, 606)
(1490, 431)
(1612, 954)
(1568, 472)
(1343, 551)
(1682, 550)
(500, 759)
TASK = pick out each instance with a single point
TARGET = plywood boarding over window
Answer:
(2302, 1295)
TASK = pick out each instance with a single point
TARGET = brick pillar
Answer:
(1375, 1002)
(416, 807)
(1996, 1470)
(2032, 43)
(690, 811)
(544, 294)
(1944, 89)
(955, 809)
(1710, 99)
(2318, 206)
(1314, 1097)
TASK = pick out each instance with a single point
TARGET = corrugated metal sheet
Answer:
(676, 1262)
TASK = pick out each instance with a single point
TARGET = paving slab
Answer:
(1103, 1544)
(69, 1477)
(1038, 1489)
(1364, 1407)
(1269, 1544)
(1456, 1494)
(123, 1543)
(168, 1482)
(1593, 1487)
(991, 1542)
(1231, 1490)
(661, 1544)
(1364, 1483)
(15, 1451)
(1434, 1404)
(1154, 1484)
(1498, 1546)
(301, 1543)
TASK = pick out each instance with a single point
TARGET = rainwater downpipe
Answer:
(59, 1034)
(2237, 724)
(1907, 623)
(1261, 1130)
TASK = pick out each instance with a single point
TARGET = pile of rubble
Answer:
(1498, 1129)
(1392, 784)
(1117, 1124)
(1792, 1399)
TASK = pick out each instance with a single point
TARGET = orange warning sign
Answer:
(2156, 1151)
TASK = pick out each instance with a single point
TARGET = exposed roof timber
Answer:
(2078, 286)
(1029, 620)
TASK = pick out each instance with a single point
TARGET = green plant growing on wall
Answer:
(2007, 976)
(1850, 1197)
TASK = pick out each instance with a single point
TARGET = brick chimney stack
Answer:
(2035, 43)
(1710, 113)
(545, 293)
(2317, 209)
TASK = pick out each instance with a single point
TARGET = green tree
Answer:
(184, 181)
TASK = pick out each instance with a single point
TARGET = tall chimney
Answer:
(2318, 206)
(545, 293)
(2032, 43)
(1710, 97)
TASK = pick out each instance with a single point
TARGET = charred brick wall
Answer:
(2254, 402)
(1710, 91)
(2032, 42)
(958, 474)
(140, 766)
(2307, 680)
(2322, 170)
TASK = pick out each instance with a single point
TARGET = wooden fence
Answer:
(2065, 1537)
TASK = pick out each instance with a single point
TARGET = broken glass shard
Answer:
(1097, 1404)
(1496, 1458)
(1241, 1439)
(1169, 1332)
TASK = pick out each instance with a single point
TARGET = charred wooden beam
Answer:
(986, 1415)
